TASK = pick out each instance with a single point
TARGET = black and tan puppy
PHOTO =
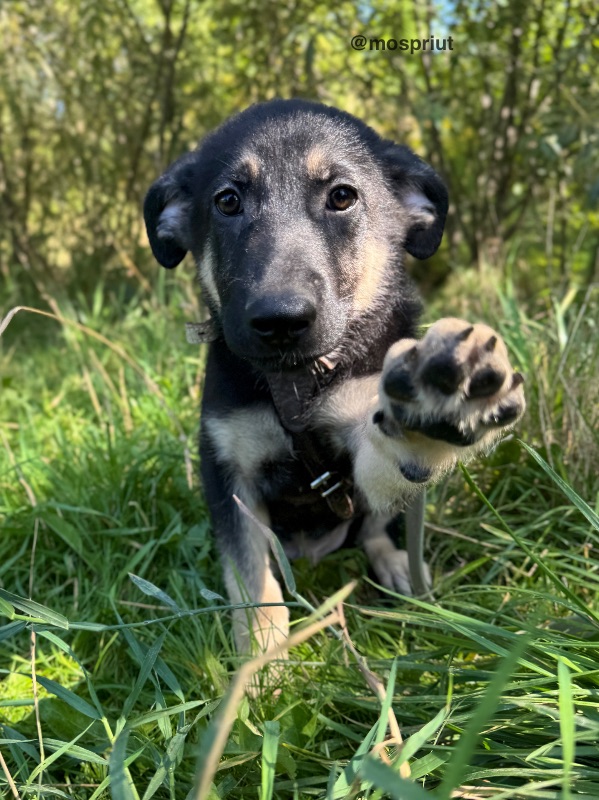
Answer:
(321, 411)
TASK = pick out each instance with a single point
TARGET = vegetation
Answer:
(115, 642)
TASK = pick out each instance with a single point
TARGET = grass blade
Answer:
(69, 697)
(153, 591)
(350, 773)
(144, 673)
(39, 612)
(381, 776)
(465, 748)
(583, 607)
(566, 724)
(419, 739)
(570, 493)
(270, 744)
(121, 783)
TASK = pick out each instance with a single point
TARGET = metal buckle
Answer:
(322, 480)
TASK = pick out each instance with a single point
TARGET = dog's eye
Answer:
(341, 198)
(228, 203)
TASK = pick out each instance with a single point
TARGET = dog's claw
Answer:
(517, 380)
(463, 335)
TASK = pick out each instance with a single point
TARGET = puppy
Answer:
(321, 410)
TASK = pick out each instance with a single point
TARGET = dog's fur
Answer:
(298, 217)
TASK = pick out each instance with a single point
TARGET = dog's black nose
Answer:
(281, 320)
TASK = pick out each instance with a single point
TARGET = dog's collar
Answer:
(201, 332)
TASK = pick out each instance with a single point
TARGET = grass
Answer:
(115, 643)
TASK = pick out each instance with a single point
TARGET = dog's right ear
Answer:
(166, 212)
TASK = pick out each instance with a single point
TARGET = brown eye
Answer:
(228, 203)
(342, 198)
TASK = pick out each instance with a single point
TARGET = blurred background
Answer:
(96, 99)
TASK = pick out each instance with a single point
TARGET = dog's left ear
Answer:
(422, 194)
(166, 212)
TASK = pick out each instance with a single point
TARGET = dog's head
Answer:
(297, 215)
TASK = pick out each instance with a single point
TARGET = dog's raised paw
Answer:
(455, 386)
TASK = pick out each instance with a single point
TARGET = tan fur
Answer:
(247, 438)
(372, 270)
(206, 276)
(250, 165)
(317, 163)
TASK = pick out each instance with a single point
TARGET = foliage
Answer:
(96, 99)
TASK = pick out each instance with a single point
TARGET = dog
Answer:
(321, 411)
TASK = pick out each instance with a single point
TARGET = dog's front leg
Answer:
(391, 565)
(249, 579)
(245, 556)
(442, 399)
(233, 446)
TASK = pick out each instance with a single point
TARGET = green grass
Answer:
(110, 685)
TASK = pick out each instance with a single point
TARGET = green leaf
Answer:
(12, 629)
(171, 759)
(69, 697)
(462, 755)
(61, 644)
(33, 609)
(153, 716)
(421, 767)
(350, 773)
(146, 668)
(580, 604)
(6, 610)
(67, 532)
(384, 715)
(67, 749)
(121, 784)
(153, 591)
(419, 739)
(139, 653)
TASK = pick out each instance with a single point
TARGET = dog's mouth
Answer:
(285, 361)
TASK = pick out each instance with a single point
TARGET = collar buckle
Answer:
(336, 495)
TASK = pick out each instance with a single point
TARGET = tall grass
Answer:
(115, 646)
